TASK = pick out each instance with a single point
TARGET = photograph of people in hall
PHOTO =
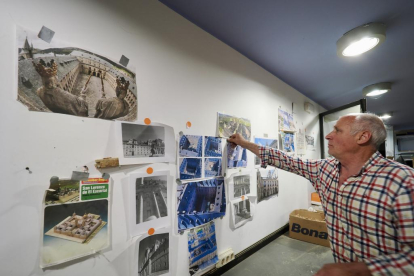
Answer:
(190, 168)
(143, 140)
(228, 125)
(58, 77)
(236, 157)
(213, 146)
(200, 202)
(241, 185)
(151, 198)
(212, 167)
(265, 142)
(202, 247)
(153, 255)
(241, 211)
(190, 146)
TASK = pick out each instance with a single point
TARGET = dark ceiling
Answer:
(296, 41)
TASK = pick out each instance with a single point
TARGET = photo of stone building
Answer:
(267, 186)
(202, 247)
(60, 78)
(200, 202)
(228, 125)
(241, 211)
(190, 146)
(151, 198)
(153, 255)
(143, 141)
(241, 184)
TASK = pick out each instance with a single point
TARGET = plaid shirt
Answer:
(370, 218)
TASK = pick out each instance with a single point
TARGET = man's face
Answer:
(340, 140)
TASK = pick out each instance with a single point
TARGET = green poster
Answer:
(94, 191)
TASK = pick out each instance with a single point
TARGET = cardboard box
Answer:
(308, 226)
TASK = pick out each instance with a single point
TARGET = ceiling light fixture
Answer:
(360, 40)
(386, 116)
(376, 90)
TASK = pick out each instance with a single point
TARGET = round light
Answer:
(360, 40)
(363, 45)
(376, 90)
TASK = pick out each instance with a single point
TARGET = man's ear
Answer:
(364, 137)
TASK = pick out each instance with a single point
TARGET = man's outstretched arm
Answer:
(237, 139)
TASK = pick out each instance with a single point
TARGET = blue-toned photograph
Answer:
(200, 202)
(190, 168)
(236, 157)
(265, 142)
(191, 146)
(202, 247)
(212, 167)
(288, 142)
(213, 147)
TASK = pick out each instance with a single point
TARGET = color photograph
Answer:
(74, 230)
(264, 142)
(236, 157)
(286, 122)
(212, 167)
(191, 146)
(62, 191)
(200, 202)
(228, 125)
(202, 247)
(190, 168)
(153, 255)
(63, 78)
(288, 142)
(213, 146)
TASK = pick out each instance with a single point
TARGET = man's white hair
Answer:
(372, 123)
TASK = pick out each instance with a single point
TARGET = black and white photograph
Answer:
(212, 167)
(241, 184)
(310, 142)
(241, 211)
(143, 140)
(267, 184)
(151, 198)
(213, 146)
(59, 77)
(191, 146)
(153, 255)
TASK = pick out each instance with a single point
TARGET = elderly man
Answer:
(367, 199)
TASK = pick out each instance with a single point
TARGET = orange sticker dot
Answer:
(147, 121)
(188, 124)
(150, 170)
(151, 231)
(242, 197)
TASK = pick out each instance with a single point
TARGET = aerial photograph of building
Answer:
(236, 157)
(153, 255)
(200, 202)
(61, 78)
(228, 125)
(62, 191)
(190, 146)
(143, 141)
(212, 167)
(241, 184)
(202, 247)
(267, 186)
(213, 146)
(190, 168)
(151, 198)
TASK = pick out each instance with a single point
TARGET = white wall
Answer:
(183, 74)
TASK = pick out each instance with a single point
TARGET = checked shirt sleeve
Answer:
(402, 262)
(309, 169)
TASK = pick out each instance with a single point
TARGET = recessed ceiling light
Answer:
(386, 116)
(376, 90)
(360, 40)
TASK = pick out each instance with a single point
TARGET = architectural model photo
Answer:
(212, 167)
(213, 146)
(61, 78)
(241, 211)
(228, 125)
(268, 185)
(153, 255)
(202, 247)
(190, 168)
(62, 191)
(200, 202)
(151, 198)
(236, 157)
(190, 146)
(143, 141)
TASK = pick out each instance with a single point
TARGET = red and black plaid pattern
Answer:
(370, 218)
